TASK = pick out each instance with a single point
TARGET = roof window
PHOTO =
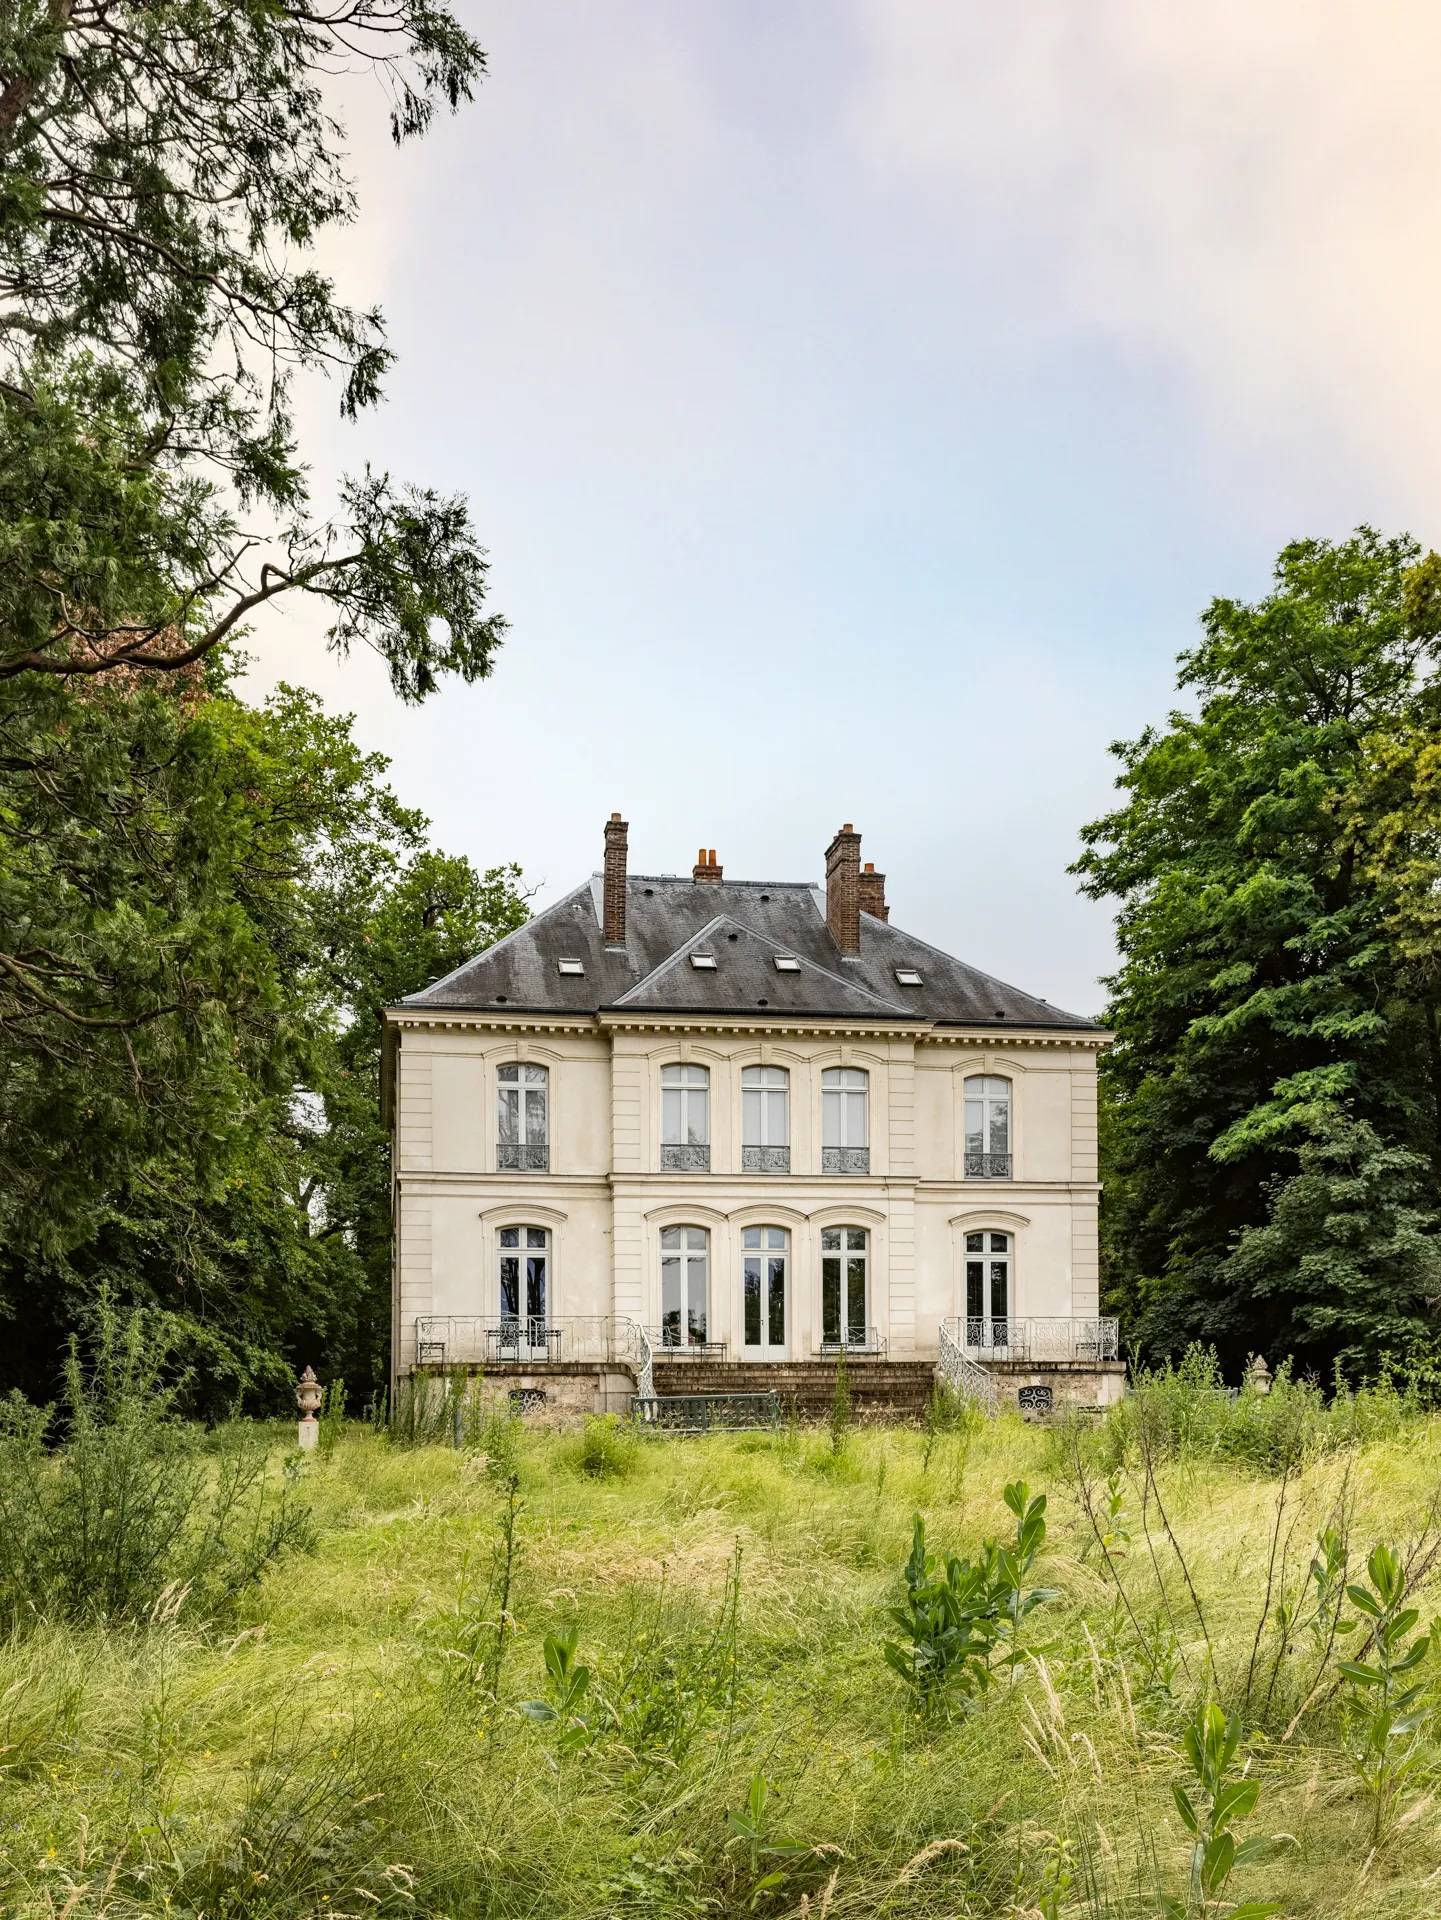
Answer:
(908, 976)
(703, 962)
(787, 963)
(571, 966)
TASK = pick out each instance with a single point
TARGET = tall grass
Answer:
(739, 1744)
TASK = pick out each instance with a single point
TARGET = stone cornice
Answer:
(831, 1026)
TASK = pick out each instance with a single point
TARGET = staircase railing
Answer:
(961, 1374)
(518, 1340)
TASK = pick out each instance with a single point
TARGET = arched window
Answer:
(523, 1119)
(988, 1128)
(845, 1294)
(765, 1120)
(684, 1286)
(764, 1253)
(988, 1292)
(524, 1330)
(684, 1119)
(845, 1123)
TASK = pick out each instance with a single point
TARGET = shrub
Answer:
(608, 1448)
(135, 1513)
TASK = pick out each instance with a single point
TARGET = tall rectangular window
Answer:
(684, 1119)
(765, 1120)
(684, 1286)
(845, 1121)
(523, 1119)
(988, 1127)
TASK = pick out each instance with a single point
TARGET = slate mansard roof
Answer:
(745, 925)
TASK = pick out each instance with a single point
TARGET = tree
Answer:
(163, 170)
(1267, 1024)
(208, 902)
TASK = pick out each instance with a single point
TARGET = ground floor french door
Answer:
(765, 1292)
(988, 1292)
(523, 1330)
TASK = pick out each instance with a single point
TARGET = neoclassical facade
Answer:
(755, 1120)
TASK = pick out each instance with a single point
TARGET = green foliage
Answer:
(839, 1422)
(959, 1615)
(1210, 1808)
(1272, 1108)
(132, 1516)
(608, 1448)
(753, 1829)
(568, 1682)
(1389, 1713)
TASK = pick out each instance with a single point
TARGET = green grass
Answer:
(346, 1745)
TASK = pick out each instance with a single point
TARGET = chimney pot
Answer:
(707, 871)
(613, 884)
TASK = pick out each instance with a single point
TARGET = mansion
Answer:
(743, 1125)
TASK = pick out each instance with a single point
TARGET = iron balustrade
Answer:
(863, 1341)
(513, 1159)
(845, 1159)
(670, 1343)
(701, 1412)
(962, 1375)
(765, 1159)
(1057, 1339)
(988, 1166)
(499, 1339)
(685, 1159)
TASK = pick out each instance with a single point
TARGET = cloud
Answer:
(1246, 192)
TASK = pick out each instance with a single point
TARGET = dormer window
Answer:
(787, 963)
(908, 977)
(570, 966)
(703, 962)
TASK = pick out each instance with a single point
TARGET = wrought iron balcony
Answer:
(517, 1340)
(672, 1343)
(765, 1159)
(988, 1166)
(1013, 1338)
(862, 1341)
(845, 1159)
(685, 1159)
(514, 1159)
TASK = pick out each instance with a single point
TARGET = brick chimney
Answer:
(843, 889)
(705, 872)
(873, 892)
(613, 891)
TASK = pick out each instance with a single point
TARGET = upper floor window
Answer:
(845, 1123)
(988, 1128)
(685, 1119)
(684, 1286)
(765, 1120)
(523, 1117)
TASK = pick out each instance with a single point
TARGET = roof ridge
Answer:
(992, 979)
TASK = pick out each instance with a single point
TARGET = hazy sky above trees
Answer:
(859, 402)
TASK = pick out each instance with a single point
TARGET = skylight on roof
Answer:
(571, 966)
(705, 962)
(787, 963)
(908, 976)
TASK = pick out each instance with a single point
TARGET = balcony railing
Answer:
(988, 1166)
(845, 1159)
(861, 1341)
(765, 1159)
(490, 1340)
(1044, 1339)
(685, 1159)
(671, 1343)
(514, 1159)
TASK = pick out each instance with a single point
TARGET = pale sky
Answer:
(859, 403)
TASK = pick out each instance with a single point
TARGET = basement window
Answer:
(787, 963)
(571, 966)
(703, 962)
(908, 976)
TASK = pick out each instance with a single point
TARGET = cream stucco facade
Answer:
(604, 1198)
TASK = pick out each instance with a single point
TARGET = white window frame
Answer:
(845, 1120)
(991, 1089)
(766, 1147)
(988, 1331)
(771, 1243)
(531, 1085)
(851, 1243)
(526, 1333)
(690, 1086)
(689, 1247)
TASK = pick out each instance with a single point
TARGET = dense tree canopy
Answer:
(1274, 1096)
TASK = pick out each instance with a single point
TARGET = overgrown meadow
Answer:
(582, 1674)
